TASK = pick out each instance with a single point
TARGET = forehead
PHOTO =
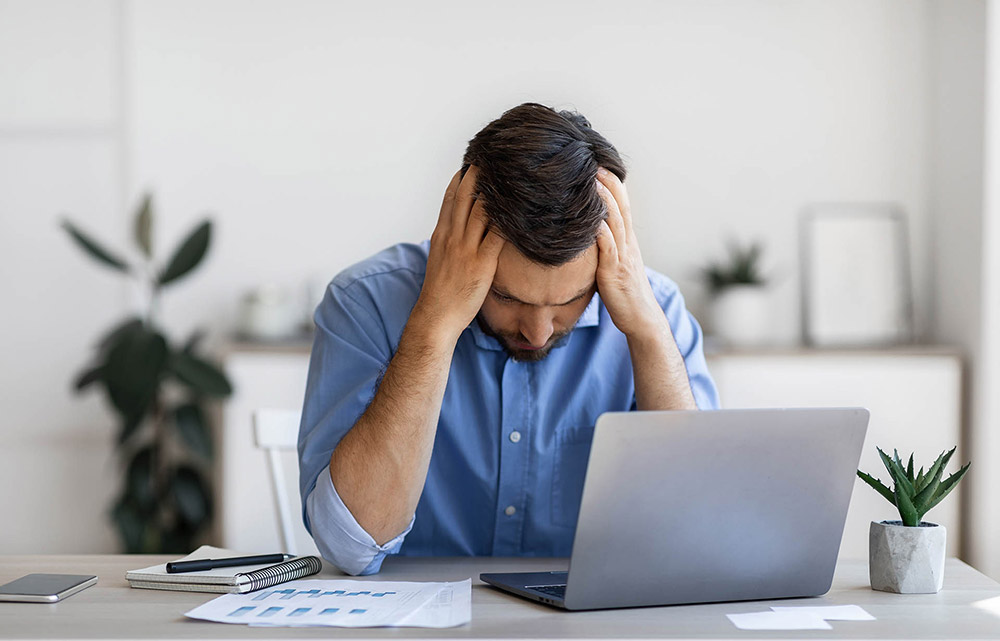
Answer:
(539, 284)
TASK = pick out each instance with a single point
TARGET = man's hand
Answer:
(462, 259)
(621, 275)
(661, 380)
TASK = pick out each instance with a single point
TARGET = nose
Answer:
(536, 327)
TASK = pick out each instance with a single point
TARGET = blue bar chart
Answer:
(346, 603)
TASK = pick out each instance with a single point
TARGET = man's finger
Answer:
(607, 250)
(614, 221)
(477, 225)
(463, 201)
(448, 203)
(492, 245)
(618, 191)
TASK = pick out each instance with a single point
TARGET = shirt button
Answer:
(510, 510)
(515, 436)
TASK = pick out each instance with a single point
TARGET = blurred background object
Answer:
(320, 132)
(855, 276)
(160, 392)
(740, 313)
(270, 313)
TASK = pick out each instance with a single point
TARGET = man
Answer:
(454, 385)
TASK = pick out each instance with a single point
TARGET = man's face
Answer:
(531, 306)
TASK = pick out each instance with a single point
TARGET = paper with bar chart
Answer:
(345, 603)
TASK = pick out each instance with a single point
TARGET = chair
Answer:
(275, 431)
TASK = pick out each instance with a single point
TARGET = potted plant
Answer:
(740, 309)
(907, 556)
(159, 391)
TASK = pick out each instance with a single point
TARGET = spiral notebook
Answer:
(234, 580)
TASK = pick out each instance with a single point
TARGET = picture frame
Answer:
(855, 275)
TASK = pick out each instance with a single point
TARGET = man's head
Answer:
(537, 171)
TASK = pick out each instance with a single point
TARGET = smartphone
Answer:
(45, 588)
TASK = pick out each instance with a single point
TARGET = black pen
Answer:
(209, 564)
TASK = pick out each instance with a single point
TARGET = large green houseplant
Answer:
(159, 390)
(907, 556)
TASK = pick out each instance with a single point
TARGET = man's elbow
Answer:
(352, 564)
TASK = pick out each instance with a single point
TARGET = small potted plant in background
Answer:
(907, 556)
(159, 390)
(740, 309)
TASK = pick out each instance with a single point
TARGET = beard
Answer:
(506, 340)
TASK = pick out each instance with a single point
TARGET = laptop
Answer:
(685, 507)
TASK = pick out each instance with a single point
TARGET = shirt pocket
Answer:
(569, 467)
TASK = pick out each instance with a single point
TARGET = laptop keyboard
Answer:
(558, 591)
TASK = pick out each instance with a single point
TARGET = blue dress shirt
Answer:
(506, 471)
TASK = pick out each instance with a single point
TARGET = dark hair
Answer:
(536, 179)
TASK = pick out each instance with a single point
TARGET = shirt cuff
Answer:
(339, 537)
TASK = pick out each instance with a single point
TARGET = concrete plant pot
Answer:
(741, 315)
(906, 560)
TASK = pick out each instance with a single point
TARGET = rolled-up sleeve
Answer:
(344, 542)
(350, 351)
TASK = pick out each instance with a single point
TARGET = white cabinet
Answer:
(915, 401)
(262, 377)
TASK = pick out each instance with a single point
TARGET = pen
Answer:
(208, 564)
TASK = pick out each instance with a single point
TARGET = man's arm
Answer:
(661, 378)
(379, 467)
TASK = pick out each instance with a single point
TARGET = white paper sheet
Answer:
(831, 612)
(345, 603)
(779, 621)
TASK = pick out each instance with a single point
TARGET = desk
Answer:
(113, 610)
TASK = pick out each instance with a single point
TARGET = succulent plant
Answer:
(914, 495)
(741, 268)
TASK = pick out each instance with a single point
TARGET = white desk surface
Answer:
(112, 610)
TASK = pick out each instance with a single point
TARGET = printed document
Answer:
(345, 603)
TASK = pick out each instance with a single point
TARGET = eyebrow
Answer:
(505, 294)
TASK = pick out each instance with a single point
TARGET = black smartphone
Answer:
(45, 588)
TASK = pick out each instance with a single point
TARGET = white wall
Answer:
(59, 154)
(957, 59)
(986, 406)
(318, 132)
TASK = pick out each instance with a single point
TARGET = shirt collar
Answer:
(591, 317)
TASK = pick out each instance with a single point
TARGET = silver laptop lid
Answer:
(700, 506)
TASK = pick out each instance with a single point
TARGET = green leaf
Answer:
(199, 375)
(878, 485)
(95, 250)
(131, 525)
(134, 368)
(189, 254)
(193, 341)
(139, 478)
(909, 469)
(128, 326)
(947, 486)
(178, 539)
(130, 423)
(922, 498)
(89, 377)
(907, 512)
(938, 466)
(920, 482)
(144, 226)
(193, 428)
(897, 473)
(191, 496)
